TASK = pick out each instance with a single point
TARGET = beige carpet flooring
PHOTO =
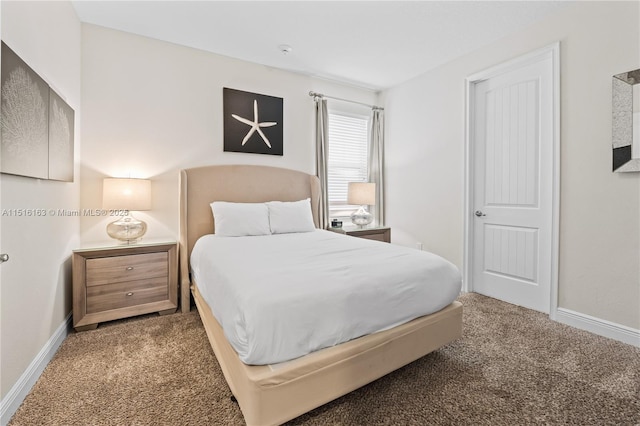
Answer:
(513, 366)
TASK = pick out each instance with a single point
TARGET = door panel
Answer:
(512, 185)
(510, 252)
(511, 145)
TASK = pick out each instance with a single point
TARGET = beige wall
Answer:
(35, 292)
(599, 210)
(151, 108)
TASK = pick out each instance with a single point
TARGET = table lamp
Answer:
(126, 195)
(362, 193)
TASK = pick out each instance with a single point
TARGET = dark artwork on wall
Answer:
(252, 122)
(36, 124)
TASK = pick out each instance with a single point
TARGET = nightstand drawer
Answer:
(116, 269)
(379, 233)
(376, 237)
(121, 295)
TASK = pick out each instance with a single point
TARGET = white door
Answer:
(512, 184)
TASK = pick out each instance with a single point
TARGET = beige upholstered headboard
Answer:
(200, 186)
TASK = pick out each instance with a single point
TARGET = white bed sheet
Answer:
(279, 297)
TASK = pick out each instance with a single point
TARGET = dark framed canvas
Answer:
(24, 149)
(252, 122)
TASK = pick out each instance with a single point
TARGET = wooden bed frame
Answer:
(271, 395)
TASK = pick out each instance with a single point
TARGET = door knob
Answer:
(479, 213)
(4, 257)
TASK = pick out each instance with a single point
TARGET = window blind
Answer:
(347, 162)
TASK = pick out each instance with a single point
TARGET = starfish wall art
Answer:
(252, 122)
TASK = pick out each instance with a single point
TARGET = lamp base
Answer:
(127, 229)
(361, 217)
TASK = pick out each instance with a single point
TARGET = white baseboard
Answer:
(599, 326)
(10, 403)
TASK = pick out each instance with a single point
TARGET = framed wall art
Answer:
(60, 139)
(252, 122)
(36, 124)
(25, 118)
(626, 122)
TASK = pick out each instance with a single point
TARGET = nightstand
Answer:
(113, 281)
(378, 233)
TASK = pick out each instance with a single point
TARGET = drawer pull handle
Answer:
(129, 268)
(130, 293)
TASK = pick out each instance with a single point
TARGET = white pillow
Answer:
(286, 217)
(240, 219)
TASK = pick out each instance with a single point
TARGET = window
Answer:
(347, 162)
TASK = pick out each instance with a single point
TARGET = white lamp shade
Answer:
(126, 194)
(362, 193)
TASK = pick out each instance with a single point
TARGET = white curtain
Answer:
(322, 130)
(376, 162)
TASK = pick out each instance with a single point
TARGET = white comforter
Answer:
(278, 297)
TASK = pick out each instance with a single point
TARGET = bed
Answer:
(274, 394)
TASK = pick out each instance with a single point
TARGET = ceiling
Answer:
(370, 44)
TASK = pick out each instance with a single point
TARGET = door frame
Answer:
(551, 51)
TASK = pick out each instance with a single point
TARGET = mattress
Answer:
(279, 297)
